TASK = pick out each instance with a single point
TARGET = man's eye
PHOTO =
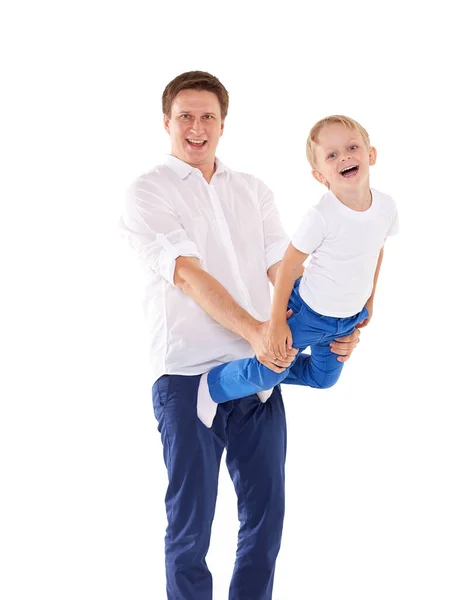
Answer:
(208, 117)
(184, 116)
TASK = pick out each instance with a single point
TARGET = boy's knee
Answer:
(272, 378)
(329, 380)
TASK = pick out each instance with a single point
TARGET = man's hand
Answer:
(258, 341)
(344, 346)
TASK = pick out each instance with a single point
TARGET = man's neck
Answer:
(207, 171)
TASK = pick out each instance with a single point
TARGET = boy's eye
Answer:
(352, 147)
(331, 155)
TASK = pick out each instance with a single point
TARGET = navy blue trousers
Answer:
(319, 369)
(254, 435)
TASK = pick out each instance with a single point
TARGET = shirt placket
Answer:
(226, 239)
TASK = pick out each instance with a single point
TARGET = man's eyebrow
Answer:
(186, 112)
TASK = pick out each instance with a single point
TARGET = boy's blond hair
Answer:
(316, 129)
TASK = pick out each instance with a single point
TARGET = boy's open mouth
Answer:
(349, 171)
(196, 143)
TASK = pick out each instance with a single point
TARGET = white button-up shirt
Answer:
(232, 226)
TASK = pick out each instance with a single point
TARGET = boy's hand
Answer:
(266, 357)
(279, 339)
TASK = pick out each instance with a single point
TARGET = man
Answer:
(211, 239)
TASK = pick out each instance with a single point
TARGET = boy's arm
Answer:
(369, 302)
(279, 333)
(289, 270)
(273, 271)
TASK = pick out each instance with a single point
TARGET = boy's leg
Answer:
(192, 454)
(321, 369)
(241, 378)
(244, 377)
(256, 456)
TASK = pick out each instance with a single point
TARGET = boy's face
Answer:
(195, 126)
(342, 158)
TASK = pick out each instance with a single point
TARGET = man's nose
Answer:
(197, 126)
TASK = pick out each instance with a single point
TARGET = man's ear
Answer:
(372, 154)
(222, 126)
(166, 120)
(318, 175)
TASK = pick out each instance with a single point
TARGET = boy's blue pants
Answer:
(320, 369)
(254, 435)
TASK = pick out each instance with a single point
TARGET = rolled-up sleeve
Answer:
(275, 239)
(151, 226)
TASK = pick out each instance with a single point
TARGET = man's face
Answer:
(195, 126)
(343, 158)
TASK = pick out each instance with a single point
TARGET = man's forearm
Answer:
(213, 298)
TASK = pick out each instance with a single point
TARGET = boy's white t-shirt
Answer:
(344, 245)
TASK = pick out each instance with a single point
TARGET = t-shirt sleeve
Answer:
(394, 229)
(310, 233)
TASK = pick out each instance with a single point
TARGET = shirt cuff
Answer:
(169, 253)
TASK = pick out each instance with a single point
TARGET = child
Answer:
(344, 235)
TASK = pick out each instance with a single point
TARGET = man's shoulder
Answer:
(152, 181)
(247, 179)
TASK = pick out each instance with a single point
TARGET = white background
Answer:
(379, 468)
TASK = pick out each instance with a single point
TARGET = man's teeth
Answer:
(199, 142)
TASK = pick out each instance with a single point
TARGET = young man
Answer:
(211, 238)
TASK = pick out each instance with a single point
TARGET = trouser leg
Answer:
(192, 455)
(256, 458)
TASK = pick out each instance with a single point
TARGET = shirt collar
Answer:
(183, 169)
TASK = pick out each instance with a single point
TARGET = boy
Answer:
(344, 235)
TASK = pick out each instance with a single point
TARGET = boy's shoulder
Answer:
(384, 201)
(382, 197)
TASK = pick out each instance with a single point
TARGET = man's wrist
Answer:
(250, 329)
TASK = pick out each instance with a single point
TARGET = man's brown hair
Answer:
(195, 80)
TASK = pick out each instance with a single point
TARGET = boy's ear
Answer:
(318, 175)
(372, 154)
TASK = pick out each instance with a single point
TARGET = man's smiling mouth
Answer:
(349, 171)
(196, 143)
